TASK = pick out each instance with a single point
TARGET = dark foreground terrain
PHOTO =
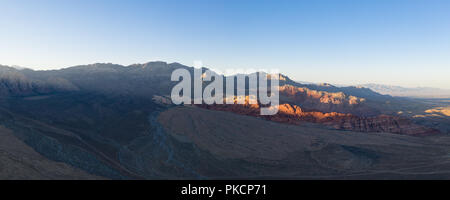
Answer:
(107, 121)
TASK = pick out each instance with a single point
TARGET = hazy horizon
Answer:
(400, 43)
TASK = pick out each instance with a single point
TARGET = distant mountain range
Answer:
(397, 91)
(420, 92)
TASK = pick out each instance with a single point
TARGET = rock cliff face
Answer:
(14, 82)
(293, 114)
(323, 101)
(305, 94)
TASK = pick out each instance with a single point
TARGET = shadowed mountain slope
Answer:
(19, 161)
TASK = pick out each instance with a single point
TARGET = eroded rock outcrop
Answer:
(325, 101)
(293, 114)
(305, 94)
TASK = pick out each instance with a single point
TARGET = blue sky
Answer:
(397, 42)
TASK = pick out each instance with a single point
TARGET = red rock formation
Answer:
(325, 101)
(293, 114)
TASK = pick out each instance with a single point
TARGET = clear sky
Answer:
(397, 42)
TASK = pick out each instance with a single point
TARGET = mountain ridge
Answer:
(160, 67)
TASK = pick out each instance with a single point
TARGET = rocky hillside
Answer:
(314, 100)
(19, 161)
(293, 114)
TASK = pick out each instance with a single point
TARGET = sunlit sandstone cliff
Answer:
(314, 100)
(305, 94)
(293, 114)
